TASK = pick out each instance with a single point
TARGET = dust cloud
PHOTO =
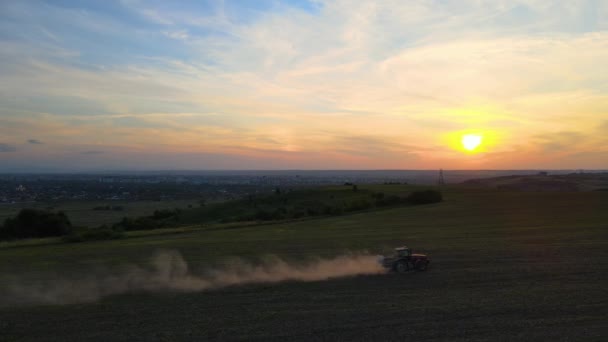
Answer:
(169, 271)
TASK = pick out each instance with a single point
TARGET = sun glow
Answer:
(471, 141)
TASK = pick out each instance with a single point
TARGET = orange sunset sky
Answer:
(303, 85)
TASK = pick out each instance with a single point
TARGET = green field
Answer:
(505, 266)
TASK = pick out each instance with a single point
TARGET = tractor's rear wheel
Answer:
(401, 267)
(422, 265)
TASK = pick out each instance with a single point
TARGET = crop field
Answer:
(506, 266)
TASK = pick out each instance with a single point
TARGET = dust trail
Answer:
(169, 271)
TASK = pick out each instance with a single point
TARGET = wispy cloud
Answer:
(35, 142)
(560, 141)
(369, 81)
(7, 148)
(180, 35)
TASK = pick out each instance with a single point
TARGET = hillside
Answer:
(545, 182)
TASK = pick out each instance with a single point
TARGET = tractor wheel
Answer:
(401, 267)
(422, 265)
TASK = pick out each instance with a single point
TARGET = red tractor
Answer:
(404, 260)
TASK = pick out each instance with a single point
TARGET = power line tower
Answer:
(441, 180)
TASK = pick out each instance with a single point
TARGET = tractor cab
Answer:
(403, 252)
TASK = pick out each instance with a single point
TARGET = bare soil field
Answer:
(504, 266)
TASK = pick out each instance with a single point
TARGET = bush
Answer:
(101, 233)
(73, 238)
(298, 213)
(360, 204)
(389, 200)
(263, 215)
(140, 223)
(311, 212)
(425, 197)
(377, 195)
(267, 215)
(33, 223)
(336, 209)
(110, 207)
(165, 214)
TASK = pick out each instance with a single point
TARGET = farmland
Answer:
(505, 265)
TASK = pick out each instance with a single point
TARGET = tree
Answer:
(30, 223)
(425, 197)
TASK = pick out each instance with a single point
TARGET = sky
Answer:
(303, 84)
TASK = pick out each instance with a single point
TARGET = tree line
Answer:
(35, 223)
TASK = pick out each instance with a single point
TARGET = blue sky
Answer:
(302, 84)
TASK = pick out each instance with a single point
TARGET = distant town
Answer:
(21, 188)
(211, 185)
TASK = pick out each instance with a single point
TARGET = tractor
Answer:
(404, 260)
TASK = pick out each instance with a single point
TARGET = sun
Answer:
(474, 142)
(471, 141)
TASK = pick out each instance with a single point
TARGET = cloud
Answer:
(588, 159)
(369, 81)
(7, 148)
(560, 141)
(93, 152)
(180, 35)
(35, 141)
(371, 146)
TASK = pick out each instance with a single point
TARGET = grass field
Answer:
(505, 266)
